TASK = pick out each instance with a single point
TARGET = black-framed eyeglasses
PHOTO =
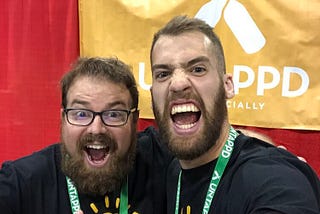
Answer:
(84, 117)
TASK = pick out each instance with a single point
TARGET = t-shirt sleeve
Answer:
(9, 189)
(30, 184)
(280, 185)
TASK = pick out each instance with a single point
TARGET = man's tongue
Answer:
(96, 154)
(185, 118)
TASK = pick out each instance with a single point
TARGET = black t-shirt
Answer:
(36, 185)
(259, 178)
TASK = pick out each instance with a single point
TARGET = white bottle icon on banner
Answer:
(239, 21)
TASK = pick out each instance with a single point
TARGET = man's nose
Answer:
(97, 126)
(179, 81)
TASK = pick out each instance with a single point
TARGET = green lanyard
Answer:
(217, 172)
(75, 202)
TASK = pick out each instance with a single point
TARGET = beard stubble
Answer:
(97, 181)
(189, 148)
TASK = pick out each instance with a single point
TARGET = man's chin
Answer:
(185, 149)
(93, 180)
(185, 143)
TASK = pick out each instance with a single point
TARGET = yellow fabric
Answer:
(283, 67)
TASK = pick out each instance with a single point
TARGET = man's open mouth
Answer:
(185, 116)
(97, 153)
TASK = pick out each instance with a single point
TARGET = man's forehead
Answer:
(188, 34)
(90, 89)
(185, 48)
(189, 40)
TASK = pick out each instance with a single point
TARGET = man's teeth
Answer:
(186, 126)
(96, 146)
(184, 108)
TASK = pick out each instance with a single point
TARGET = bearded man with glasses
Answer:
(98, 167)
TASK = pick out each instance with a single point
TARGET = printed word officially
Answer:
(245, 105)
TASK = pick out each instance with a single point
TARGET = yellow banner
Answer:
(271, 48)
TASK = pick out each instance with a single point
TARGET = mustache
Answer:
(181, 95)
(103, 139)
(89, 138)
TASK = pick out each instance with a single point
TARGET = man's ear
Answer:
(61, 113)
(228, 86)
(136, 116)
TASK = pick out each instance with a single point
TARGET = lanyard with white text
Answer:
(75, 202)
(216, 175)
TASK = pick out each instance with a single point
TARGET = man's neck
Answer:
(211, 154)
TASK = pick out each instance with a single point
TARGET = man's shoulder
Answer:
(149, 142)
(259, 163)
(34, 183)
(256, 161)
(36, 163)
(270, 176)
(150, 150)
(148, 134)
(250, 148)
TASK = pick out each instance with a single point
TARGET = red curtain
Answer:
(38, 42)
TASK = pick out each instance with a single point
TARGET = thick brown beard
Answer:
(186, 148)
(98, 181)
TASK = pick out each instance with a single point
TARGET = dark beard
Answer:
(213, 122)
(97, 181)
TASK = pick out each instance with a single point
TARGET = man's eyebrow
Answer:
(196, 60)
(77, 101)
(188, 64)
(110, 105)
(160, 66)
(117, 103)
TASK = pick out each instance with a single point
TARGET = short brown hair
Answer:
(183, 24)
(111, 69)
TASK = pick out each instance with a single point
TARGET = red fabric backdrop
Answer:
(39, 40)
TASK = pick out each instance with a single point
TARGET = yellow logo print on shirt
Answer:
(107, 205)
